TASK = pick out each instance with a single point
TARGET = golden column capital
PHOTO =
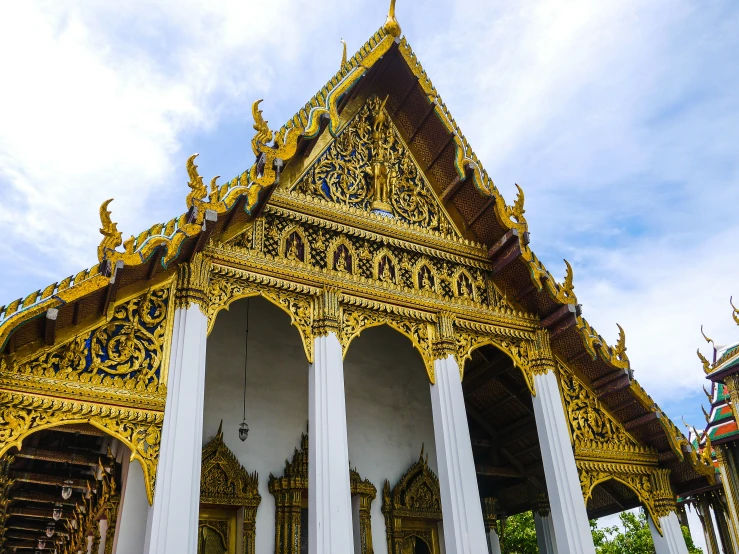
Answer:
(326, 313)
(444, 342)
(193, 278)
(542, 359)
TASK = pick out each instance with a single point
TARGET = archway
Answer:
(503, 433)
(388, 407)
(276, 396)
(58, 487)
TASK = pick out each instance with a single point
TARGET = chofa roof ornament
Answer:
(392, 27)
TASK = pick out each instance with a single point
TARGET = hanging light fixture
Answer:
(74, 523)
(244, 427)
(67, 488)
(41, 544)
(57, 512)
(50, 528)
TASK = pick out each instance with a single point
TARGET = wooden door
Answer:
(217, 531)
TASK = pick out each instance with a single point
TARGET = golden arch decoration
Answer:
(225, 289)
(225, 483)
(140, 430)
(354, 320)
(650, 484)
(518, 346)
(293, 251)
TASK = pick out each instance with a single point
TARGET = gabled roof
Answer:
(387, 62)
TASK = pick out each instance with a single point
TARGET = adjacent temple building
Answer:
(717, 504)
(349, 348)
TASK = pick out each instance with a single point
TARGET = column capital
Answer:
(542, 359)
(444, 342)
(192, 283)
(665, 501)
(542, 505)
(326, 313)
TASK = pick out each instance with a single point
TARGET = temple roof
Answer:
(385, 63)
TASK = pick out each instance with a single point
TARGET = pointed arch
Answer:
(379, 266)
(225, 290)
(419, 332)
(139, 431)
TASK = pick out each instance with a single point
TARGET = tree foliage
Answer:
(632, 537)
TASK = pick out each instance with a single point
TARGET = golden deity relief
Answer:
(368, 167)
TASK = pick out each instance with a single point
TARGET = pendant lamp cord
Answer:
(246, 353)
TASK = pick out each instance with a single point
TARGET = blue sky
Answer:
(620, 119)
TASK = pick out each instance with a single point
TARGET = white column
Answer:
(103, 528)
(671, 541)
(493, 542)
(545, 534)
(464, 530)
(571, 526)
(174, 522)
(329, 495)
(130, 529)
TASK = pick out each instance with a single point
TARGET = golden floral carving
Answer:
(369, 168)
(127, 352)
(140, 430)
(588, 421)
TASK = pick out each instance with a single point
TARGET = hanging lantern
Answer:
(243, 426)
(243, 430)
(67, 489)
(57, 512)
(41, 544)
(50, 529)
(74, 524)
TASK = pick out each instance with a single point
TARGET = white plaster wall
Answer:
(276, 401)
(388, 404)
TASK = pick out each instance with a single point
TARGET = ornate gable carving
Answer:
(368, 167)
(416, 495)
(223, 480)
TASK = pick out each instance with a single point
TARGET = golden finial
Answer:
(704, 361)
(620, 349)
(264, 135)
(197, 188)
(568, 287)
(518, 209)
(708, 394)
(735, 314)
(343, 55)
(112, 238)
(709, 341)
(392, 27)
(213, 196)
(706, 414)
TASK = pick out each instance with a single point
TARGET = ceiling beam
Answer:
(42, 479)
(61, 456)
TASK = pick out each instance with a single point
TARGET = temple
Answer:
(348, 348)
(717, 505)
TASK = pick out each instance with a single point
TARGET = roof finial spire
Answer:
(343, 55)
(392, 27)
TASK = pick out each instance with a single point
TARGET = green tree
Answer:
(519, 535)
(632, 537)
